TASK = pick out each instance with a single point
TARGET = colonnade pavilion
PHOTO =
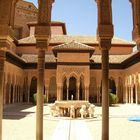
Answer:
(38, 56)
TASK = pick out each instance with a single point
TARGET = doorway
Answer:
(72, 88)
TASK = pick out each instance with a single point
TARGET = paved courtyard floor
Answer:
(19, 123)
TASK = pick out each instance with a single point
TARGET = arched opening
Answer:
(33, 87)
(65, 90)
(72, 88)
(11, 99)
(112, 86)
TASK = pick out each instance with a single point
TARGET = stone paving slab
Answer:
(17, 126)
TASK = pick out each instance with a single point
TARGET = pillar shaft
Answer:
(59, 92)
(136, 93)
(126, 93)
(67, 89)
(42, 34)
(132, 94)
(129, 95)
(47, 93)
(105, 95)
(2, 61)
(105, 34)
(40, 92)
(78, 90)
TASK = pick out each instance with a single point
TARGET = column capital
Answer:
(136, 21)
(105, 31)
(42, 35)
(104, 44)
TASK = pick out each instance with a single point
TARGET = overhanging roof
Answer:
(61, 39)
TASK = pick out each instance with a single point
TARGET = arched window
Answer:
(112, 86)
(33, 86)
(72, 88)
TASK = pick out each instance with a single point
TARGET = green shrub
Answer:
(112, 98)
(35, 96)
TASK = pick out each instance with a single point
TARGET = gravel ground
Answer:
(19, 123)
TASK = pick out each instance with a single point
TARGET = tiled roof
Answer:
(61, 39)
(32, 58)
(73, 46)
(50, 58)
(112, 58)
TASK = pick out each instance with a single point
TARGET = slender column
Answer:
(131, 94)
(136, 93)
(40, 91)
(42, 34)
(105, 97)
(47, 93)
(78, 90)
(105, 34)
(2, 61)
(136, 21)
(28, 93)
(126, 93)
(13, 100)
(59, 92)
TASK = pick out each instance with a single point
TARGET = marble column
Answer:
(105, 34)
(42, 34)
(59, 92)
(131, 88)
(78, 90)
(13, 100)
(40, 91)
(136, 21)
(129, 94)
(28, 93)
(136, 93)
(2, 61)
(105, 97)
(126, 94)
(47, 93)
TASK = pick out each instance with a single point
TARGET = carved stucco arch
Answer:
(73, 74)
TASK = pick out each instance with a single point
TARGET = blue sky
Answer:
(80, 16)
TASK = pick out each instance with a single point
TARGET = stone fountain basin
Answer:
(69, 103)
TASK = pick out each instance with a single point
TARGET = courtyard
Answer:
(19, 123)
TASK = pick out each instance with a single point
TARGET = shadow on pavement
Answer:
(17, 111)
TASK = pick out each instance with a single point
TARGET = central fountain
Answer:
(72, 108)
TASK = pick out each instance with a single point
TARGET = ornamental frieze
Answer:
(76, 70)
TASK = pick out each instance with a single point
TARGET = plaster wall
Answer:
(73, 57)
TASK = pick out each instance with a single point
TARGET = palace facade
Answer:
(72, 64)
